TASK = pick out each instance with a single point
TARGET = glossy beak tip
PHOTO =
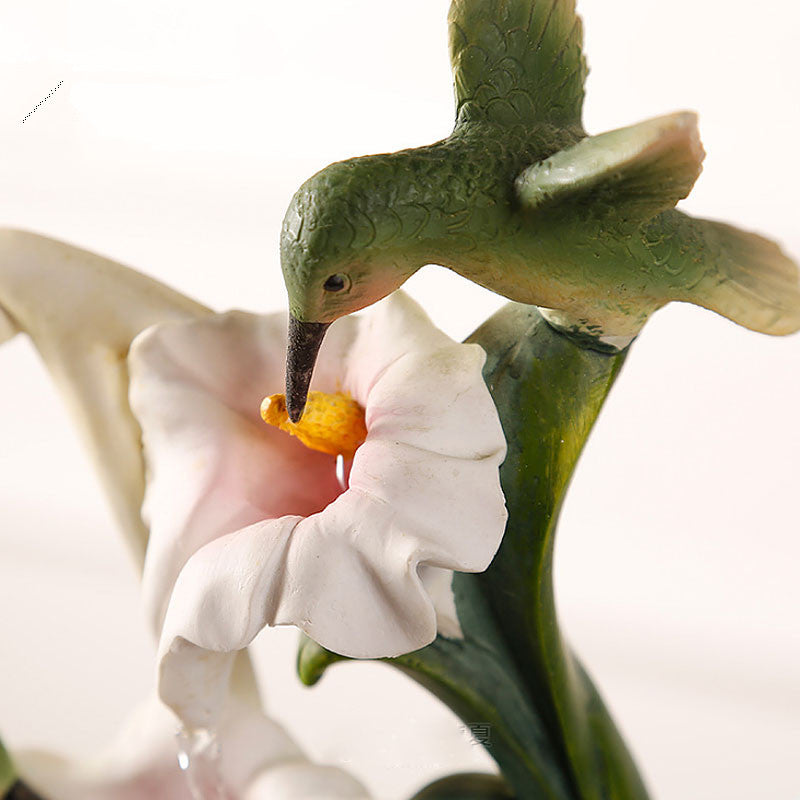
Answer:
(295, 408)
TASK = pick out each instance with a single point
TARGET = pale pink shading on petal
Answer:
(395, 328)
(424, 492)
(256, 755)
(423, 398)
(214, 466)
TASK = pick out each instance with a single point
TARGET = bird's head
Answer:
(336, 258)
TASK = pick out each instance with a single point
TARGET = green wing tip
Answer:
(755, 283)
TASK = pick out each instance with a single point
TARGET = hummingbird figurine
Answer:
(521, 201)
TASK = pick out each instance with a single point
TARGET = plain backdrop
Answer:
(173, 144)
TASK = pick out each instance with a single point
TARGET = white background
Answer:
(174, 144)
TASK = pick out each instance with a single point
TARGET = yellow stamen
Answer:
(331, 423)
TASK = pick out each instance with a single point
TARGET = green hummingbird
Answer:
(520, 200)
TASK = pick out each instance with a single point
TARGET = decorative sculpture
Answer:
(422, 546)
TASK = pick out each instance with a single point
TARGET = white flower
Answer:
(252, 758)
(82, 312)
(254, 527)
(255, 524)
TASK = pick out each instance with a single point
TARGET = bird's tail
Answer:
(755, 283)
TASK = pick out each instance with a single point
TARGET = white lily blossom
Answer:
(253, 529)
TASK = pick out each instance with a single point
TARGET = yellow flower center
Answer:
(331, 423)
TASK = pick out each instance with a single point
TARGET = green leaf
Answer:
(313, 659)
(7, 774)
(466, 786)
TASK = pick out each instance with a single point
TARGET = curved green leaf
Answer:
(466, 786)
(7, 774)
(313, 659)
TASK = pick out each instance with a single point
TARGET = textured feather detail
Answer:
(630, 174)
(517, 61)
(756, 284)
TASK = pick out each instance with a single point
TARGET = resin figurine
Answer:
(520, 200)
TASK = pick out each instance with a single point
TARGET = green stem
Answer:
(553, 737)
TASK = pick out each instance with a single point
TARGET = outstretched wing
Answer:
(517, 61)
(738, 274)
(624, 177)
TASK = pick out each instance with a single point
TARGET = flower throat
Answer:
(331, 423)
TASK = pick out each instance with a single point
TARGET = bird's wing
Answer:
(626, 176)
(517, 61)
(738, 274)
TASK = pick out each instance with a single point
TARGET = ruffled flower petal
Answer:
(424, 498)
(360, 595)
(452, 508)
(418, 385)
(389, 331)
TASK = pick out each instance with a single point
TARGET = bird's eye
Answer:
(336, 283)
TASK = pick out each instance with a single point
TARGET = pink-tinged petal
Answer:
(390, 330)
(347, 577)
(419, 387)
(142, 763)
(214, 466)
(437, 401)
(368, 574)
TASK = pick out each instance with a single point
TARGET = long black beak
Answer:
(305, 339)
